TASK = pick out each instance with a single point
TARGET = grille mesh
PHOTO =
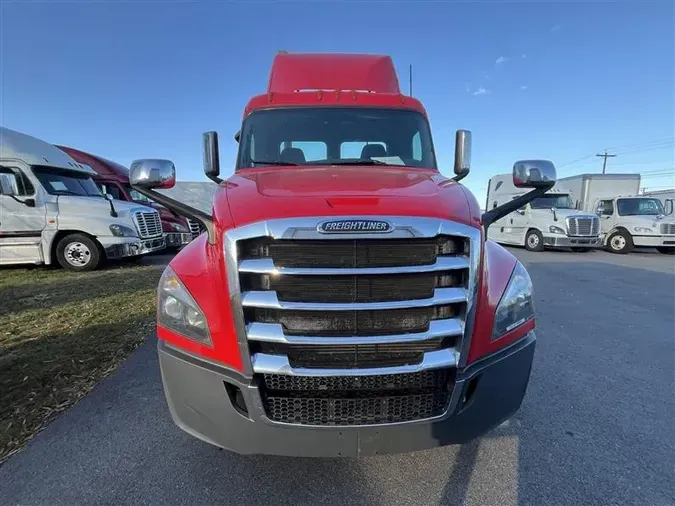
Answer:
(374, 288)
(425, 380)
(352, 253)
(668, 228)
(353, 323)
(356, 411)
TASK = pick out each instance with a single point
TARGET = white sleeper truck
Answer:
(627, 219)
(550, 220)
(51, 211)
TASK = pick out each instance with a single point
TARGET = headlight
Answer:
(178, 311)
(643, 230)
(122, 231)
(516, 306)
(556, 230)
(179, 228)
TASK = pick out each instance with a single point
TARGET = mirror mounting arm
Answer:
(489, 217)
(182, 209)
(461, 175)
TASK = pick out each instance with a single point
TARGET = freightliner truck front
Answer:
(344, 300)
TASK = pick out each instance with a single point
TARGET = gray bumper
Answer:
(177, 239)
(134, 247)
(201, 405)
(573, 242)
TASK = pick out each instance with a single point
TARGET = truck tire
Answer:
(620, 242)
(578, 249)
(77, 252)
(666, 250)
(534, 241)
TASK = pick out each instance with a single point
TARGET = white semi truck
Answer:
(550, 220)
(627, 219)
(52, 211)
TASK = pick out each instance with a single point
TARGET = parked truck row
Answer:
(583, 212)
(75, 211)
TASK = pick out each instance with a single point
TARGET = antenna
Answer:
(410, 74)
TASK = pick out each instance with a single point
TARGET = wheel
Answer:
(77, 252)
(580, 249)
(534, 241)
(666, 250)
(620, 242)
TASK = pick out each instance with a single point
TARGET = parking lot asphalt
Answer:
(596, 426)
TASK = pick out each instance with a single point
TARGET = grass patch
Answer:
(61, 333)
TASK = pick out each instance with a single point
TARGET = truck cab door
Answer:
(605, 210)
(518, 225)
(22, 219)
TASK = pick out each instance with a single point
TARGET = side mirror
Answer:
(152, 173)
(8, 185)
(211, 157)
(669, 207)
(521, 212)
(462, 154)
(109, 197)
(237, 136)
(534, 174)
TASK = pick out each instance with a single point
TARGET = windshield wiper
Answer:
(274, 162)
(68, 192)
(360, 162)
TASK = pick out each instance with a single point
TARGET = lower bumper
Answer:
(200, 404)
(121, 247)
(572, 242)
(653, 241)
(177, 239)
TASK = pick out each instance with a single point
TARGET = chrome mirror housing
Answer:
(152, 173)
(534, 174)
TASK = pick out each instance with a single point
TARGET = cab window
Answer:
(23, 185)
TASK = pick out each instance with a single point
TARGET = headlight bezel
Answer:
(118, 230)
(172, 291)
(518, 298)
(643, 230)
(556, 230)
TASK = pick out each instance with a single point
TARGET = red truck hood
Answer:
(280, 192)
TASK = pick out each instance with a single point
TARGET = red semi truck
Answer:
(344, 300)
(113, 178)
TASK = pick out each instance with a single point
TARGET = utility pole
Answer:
(604, 162)
(410, 76)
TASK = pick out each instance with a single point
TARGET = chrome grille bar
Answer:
(269, 299)
(274, 333)
(279, 364)
(266, 266)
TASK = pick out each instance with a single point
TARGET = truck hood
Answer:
(279, 192)
(166, 214)
(564, 213)
(96, 206)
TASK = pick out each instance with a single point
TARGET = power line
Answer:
(604, 162)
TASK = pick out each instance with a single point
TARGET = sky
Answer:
(553, 80)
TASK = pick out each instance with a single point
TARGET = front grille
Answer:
(149, 223)
(298, 294)
(195, 228)
(583, 227)
(668, 228)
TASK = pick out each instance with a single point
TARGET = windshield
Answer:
(66, 182)
(549, 201)
(139, 197)
(336, 136)
(639, 207)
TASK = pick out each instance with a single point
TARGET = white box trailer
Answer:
(51, 210)
(627, 219)
(548, 221)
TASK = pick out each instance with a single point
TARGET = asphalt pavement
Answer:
(597, 426)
